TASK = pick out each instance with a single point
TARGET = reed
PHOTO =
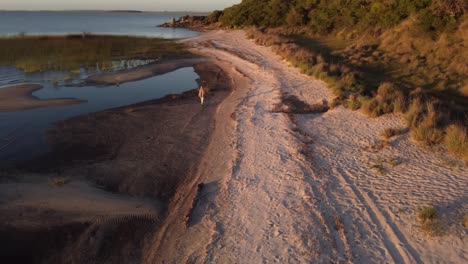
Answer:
(72, 52)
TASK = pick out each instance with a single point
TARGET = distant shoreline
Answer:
(115, 11)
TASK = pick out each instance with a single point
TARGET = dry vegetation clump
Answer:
(425, 123)
(340, 77)
(391, 132)
(59, 181)
(265, 39)
(379, 167)
(388, 99)
(293, 105)
(395, 161)
(379, 145)
(456, 140)
(355, 76)
(427, 217)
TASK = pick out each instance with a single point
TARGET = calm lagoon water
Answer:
(23, 133)
(114, 23)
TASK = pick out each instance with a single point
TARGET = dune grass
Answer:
(392, 132)
(72, 52)
(370, 82)
(59, 181)
(428, 217)
(456, 140)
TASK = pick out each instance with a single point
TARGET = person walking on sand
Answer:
(201, 94)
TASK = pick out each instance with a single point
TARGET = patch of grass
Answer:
(427, 217)
(379, 167)
(395, 162)
(425, 125)
(392, 73)
(72, 52)
(456, 140)
(378, 146)
(427, 213)
(415, 112)
(296, 106)
(59, 181)
(388, 100)
(391, 132)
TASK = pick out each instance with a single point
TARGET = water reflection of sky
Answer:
(10, 75)
(22, 133)
(111, 23)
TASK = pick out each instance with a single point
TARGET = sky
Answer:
(143, 5)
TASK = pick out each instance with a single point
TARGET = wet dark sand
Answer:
(19, 97)
(143, 72)
(143, 151)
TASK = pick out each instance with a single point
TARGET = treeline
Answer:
(333, 15)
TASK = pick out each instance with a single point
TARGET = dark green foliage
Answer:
(258, 13)
(214, 16)
(429, 22)
(328, 16)
(387, 63)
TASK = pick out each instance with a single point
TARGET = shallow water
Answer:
(60, 23)
(10, 75)
(22, 133)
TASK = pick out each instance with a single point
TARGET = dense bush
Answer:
(326, 16)
(387, 63)
(214, 16)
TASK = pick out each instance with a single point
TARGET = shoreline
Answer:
(117, 11)
(143, 72)
(284, 184)
(140, 145)
(19, 97)
(238, 172)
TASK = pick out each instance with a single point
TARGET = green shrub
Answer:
(214, 16)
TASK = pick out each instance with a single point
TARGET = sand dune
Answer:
(249, 183)
(301, 188)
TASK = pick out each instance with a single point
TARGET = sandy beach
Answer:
(302, 188)
(235, 181)
(109, 171)
(19, 97)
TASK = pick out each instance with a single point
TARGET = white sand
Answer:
(273, 204)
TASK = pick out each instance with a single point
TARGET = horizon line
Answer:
(104, 10)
